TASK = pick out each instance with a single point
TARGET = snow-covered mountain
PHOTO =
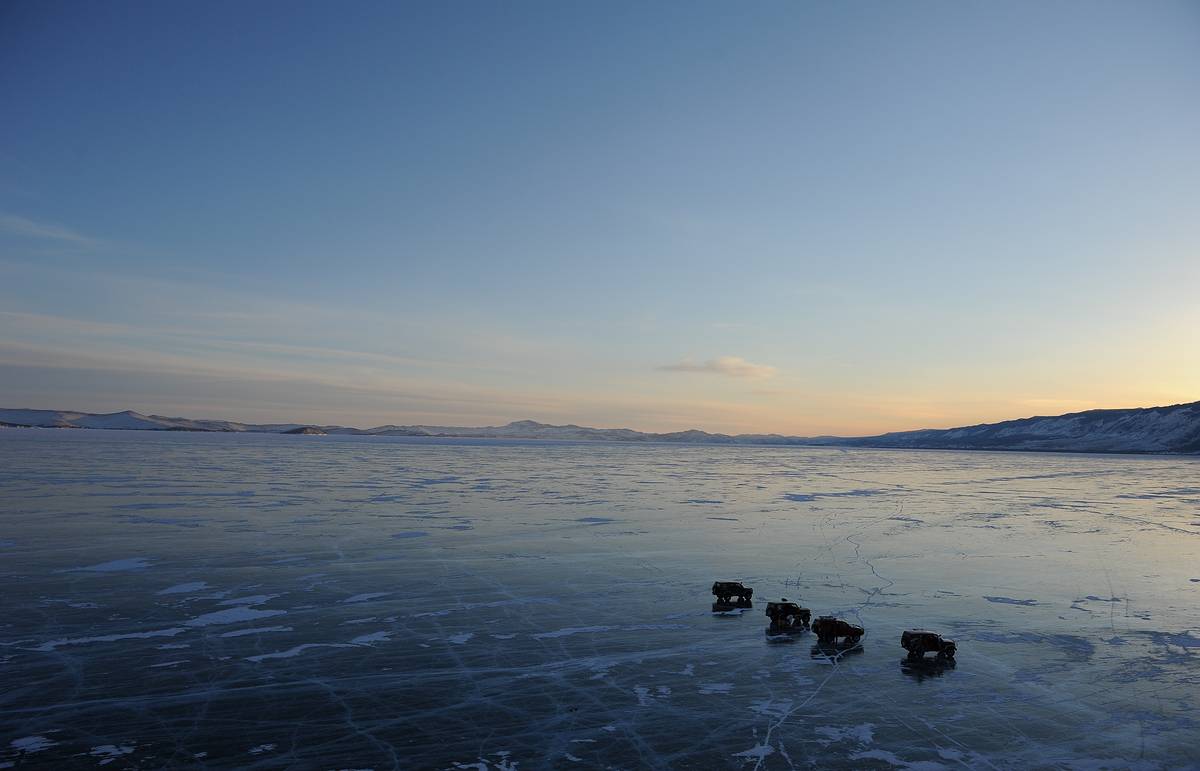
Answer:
(1174, 429)
(130, 420)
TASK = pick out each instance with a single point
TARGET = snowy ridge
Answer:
(1173, 429)
(130, 420)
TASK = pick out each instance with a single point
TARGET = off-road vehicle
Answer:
(918, 642)
(829, 629)
(725, 591)
(786, 615)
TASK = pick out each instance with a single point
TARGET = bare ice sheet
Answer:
(390, 603)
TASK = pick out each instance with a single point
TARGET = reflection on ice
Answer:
(927, 667)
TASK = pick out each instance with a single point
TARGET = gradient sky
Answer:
(807, 218)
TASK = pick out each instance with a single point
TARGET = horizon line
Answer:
(599, 428)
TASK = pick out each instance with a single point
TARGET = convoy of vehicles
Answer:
(788, 616)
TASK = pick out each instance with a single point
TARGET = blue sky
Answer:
(797, 217)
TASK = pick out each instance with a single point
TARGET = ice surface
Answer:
(541, 605)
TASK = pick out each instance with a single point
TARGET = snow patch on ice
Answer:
(232, 616)
(495, 604)
(116, 566)
(292, 652)
(757, 752)
(567, 632)
(892, 760)
(256, 630)
(806, 497)
(53, 644)
(503, 764)
(772, 708)
(193, 586)
(110, 752)
(1182, 640)
(573, 630)
(365, 597)
(863, 734)
(254, 599)
(32, 744)
(77, 604)
(373, 637)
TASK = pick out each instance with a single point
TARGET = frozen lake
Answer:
(275, 601)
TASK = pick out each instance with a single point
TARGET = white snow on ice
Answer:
(366, 596)
(233, 616)
(32, 743)
(193, 586)
(256, 630)
(115, 566)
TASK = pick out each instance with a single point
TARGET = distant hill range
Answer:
(1174, 429)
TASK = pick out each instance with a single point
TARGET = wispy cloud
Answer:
(166, 383)
(731, 366)
(27, 228)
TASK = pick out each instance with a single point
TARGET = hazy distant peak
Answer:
(532, 424)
